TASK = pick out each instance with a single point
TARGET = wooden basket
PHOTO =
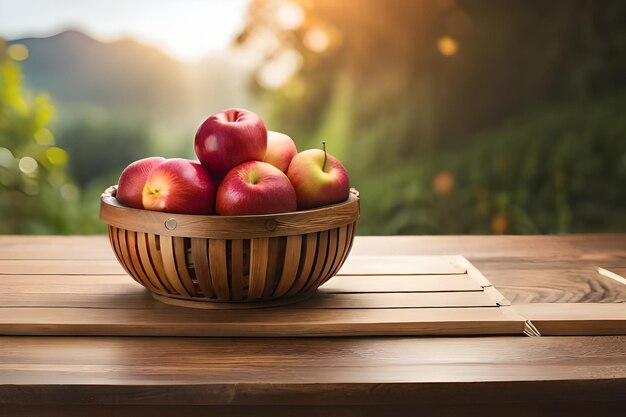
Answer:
(186, 258)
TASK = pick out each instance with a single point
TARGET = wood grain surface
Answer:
(157, 376)
(216, 361)
(572, 319)
(311, 372)
(526, 269)
(419, 305)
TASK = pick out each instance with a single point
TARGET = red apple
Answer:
(318, 178)
(228, 138)
(180, 186)
(255, 188)
(280, 150)
(133, 178)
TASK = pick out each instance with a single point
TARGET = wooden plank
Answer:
(55, 247)
(588, 247)
(400, 283)
(525, 269)
(338, 310)
(478, 407)
(570, 319)
(510, 372)
(538, 249)
(402, 265)
(398, 300)
(553, 277)
(262, 322)
(138, 298)
(340, 284)
(523, 281)
(60, 267)
(69, 284)
(419, 371)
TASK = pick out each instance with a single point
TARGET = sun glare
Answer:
(182, 43)
(187, 30)
(186, 33)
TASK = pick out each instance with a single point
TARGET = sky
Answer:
(185, 29)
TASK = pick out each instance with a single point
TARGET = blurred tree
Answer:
(409, 89)
(36, 193)
(539, 173)
(101, 146)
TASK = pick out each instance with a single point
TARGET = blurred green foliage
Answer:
(36, 193)
(460, 116)
(554, 170)
(51, 183)
(452, 116)
(102, 146)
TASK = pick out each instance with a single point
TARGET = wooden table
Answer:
(159, 376)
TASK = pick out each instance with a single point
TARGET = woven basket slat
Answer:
(200, 260)
(291, 261)
(259, 252)
(307, 260)
(169, 264)
(218, 268)
(237, 269)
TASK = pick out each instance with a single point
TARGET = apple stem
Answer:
(324, 148)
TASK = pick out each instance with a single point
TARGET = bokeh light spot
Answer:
(447, 46)
(443, 183)
(44, 137)
(316, 40)
(277, 72)
(6, 158)
(289, 16)
(27, 165)
(17, 52)
(69, 192)
(56, 156)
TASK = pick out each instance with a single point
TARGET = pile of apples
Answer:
(243, 170)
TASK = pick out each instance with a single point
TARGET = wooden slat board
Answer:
(406, 295)
(404, 265)
(321, 301)
(60, 267)
(158, 376)
(80, 272)
(401, 283)
(261, 323)
(569, 319)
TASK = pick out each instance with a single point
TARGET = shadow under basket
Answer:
(231, 261)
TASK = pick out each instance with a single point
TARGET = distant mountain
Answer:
(128, 78)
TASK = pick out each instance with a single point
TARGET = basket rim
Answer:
(313, 220)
